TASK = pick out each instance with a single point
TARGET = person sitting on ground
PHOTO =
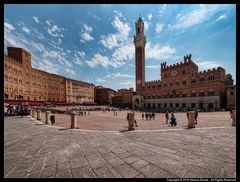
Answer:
(173, 120)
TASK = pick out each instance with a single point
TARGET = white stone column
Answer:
(48, 113)
(234, 118)
(191, 119)
(38, 114)
(130, 121)
(33, 113)
(73, 121)
(30, 112)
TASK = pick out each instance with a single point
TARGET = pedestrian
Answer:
(21, 112)
(231, 113)
(196, 115)
(167, 117)
(142, 116)
(173, 120)
(153, 115)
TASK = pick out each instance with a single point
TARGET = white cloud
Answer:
(39, 35)
(162, 8)
(123, 54)
(153, 66)
(149, 16)
(48, 23)
(96, 17)
(42, 58)
(146, 25)
(54, 31)
(100, 60)
(99, 80)
(159, 27)
(85, 35)
(157, 52)
(221, 17)
(127, 83)
(81, 54)
(122, 28)
(87, 28)
(48, 66)
(196, 16)
(77, 56)
(119, 75)
(78, 61)
(59, 56)
(119, 13)
(25, 29)
(8, 26)
(204, 65)
(111, 41)
(36, 19)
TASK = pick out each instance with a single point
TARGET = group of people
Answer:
(14, 110)
(173, 120)
(148, 116)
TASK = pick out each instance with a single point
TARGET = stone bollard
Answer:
(191, 119)
(130, 121)
(234, 118)
(48, 113)
(73, 121)
(30, 112)
(38, 114)
(33, 113)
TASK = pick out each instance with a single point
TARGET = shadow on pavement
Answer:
(64, 129)
(125, 130)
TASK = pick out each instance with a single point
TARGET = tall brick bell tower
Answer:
(140, 42)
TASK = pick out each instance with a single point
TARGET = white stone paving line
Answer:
(178, 129)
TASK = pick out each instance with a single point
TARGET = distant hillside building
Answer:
(181, 84)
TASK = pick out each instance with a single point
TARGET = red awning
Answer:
(89, 103)
(13, 102)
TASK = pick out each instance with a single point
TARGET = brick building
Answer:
(181, 84)
(24, 83)
(103, 95)
(123, 98)
(231, 96)
(78, 91)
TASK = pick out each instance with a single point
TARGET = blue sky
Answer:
(94, 43)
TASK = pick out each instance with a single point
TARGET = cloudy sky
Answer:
(94, 43)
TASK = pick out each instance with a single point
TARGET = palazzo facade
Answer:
(181, 86)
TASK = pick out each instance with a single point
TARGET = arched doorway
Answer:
(136, 103)
(210, 106)
(201, 106)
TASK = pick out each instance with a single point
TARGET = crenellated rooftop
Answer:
(187, 59)
(211, 70)
(153, 81)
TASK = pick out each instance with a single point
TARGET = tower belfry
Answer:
(140, 42)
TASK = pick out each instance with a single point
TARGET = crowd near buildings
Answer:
(181, 86)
